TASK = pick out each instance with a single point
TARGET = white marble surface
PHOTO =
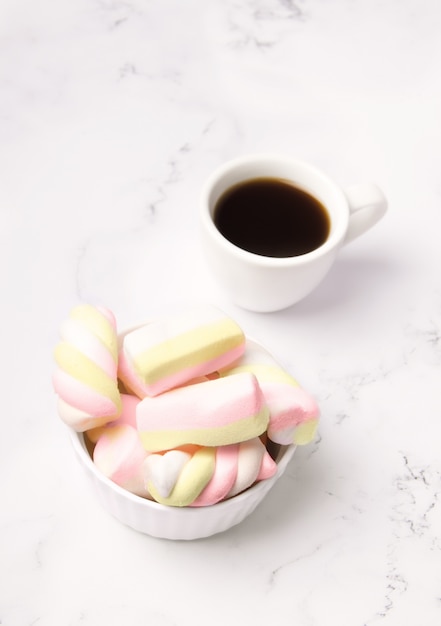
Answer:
(112, 113)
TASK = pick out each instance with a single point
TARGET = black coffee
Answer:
(271, 217)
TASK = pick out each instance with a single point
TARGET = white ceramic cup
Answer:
(264, 284)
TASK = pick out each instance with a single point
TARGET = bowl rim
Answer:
(284, 455)
(79, 444)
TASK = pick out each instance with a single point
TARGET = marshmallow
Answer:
(223, 477)
(205, 476)
(204, 402)
(174, 350)
(254, 463)
(128, 416)
(119, 455)
(85, 378)
(294, 413)
(213, 413)
(177, 477)
(238, 466)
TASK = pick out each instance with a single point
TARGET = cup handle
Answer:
(367, 205)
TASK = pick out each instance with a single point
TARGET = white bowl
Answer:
(169, 522)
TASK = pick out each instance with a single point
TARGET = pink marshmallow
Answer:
(119, 455)
(85, 378)
(213, 413)
(223, 478)
(128, 416)
(293, 412)
(170, 352)
(238, 466)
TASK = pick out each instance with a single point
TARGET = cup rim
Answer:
(250, 160)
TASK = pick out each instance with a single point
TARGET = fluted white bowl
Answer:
(168, 522)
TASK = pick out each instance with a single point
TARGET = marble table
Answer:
(112, 114)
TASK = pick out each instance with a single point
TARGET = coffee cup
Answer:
(272, 226)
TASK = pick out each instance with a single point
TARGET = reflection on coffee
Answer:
(271, 217)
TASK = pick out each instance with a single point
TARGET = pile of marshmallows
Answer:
(182, 410)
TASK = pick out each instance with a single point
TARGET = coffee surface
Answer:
(271, 217)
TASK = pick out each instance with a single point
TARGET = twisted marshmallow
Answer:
(85, 378)
(205, 476)
(127, 416)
